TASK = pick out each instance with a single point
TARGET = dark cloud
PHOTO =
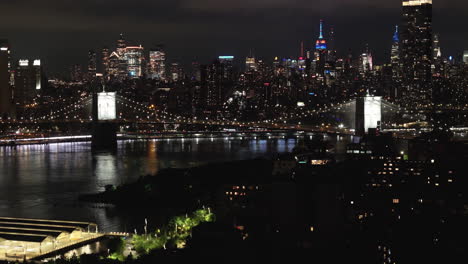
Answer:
(61, 31)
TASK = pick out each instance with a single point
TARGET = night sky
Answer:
(61, 31)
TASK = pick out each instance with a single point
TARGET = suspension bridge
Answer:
(128, 115)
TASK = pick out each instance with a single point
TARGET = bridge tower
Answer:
(104, 129)
(368, 114)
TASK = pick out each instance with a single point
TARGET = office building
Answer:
(196, 72)
(250, 64)
(105, 61)
(121, 45)
(92, 65)
(395, 54)
(157, 64)
(177, 73)
(215, 84)
(366, 63)
(76, 74)
(416, 51)
(436, 51)
(227, 63)
(6, 94)
(28, 81)
(465, 57)
(134, 57)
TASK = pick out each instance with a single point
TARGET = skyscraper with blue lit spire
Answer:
(395, 54)
(320, 52)
(321, 43)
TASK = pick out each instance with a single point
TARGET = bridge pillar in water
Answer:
(104, 130)
(368, 114)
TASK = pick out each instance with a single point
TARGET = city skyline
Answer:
(59, 49)
(249, 131)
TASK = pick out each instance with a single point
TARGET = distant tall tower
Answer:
(331, 46)
(416, 50)
(395, 54)
(92, 64)
(157, 64)
(121, 45)
(367, 63)
(321, 43)
(436, 51)
(250, 62)
(105, 61)
(120, 71)
(320, 52)
(6, 95)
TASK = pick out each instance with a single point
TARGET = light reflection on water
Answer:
(43, 181)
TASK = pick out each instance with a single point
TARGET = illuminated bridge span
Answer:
(129, 110)
(127, 113)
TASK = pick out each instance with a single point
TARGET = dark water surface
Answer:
(43, 181)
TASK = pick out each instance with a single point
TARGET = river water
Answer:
(44, 181)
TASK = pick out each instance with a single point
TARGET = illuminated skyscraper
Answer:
(105, 61)
(465, 57)
(134, 56)
(6, 105)
(250, 64)
(92, 64)
(320, 53)
(394, 88)
(28, 81)
(366, 63)
(117, 66)
(177, 72)
(157, 64)
(227, 63)
(436, 51)
(121, 45)
(395, 53)
(321, 43)
(215, 83)
(416, 50)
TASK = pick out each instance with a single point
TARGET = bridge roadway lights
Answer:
(104, 135)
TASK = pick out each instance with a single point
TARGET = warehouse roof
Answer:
(44, 232)
(60, 228)
(83, 225)
(23, 237)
